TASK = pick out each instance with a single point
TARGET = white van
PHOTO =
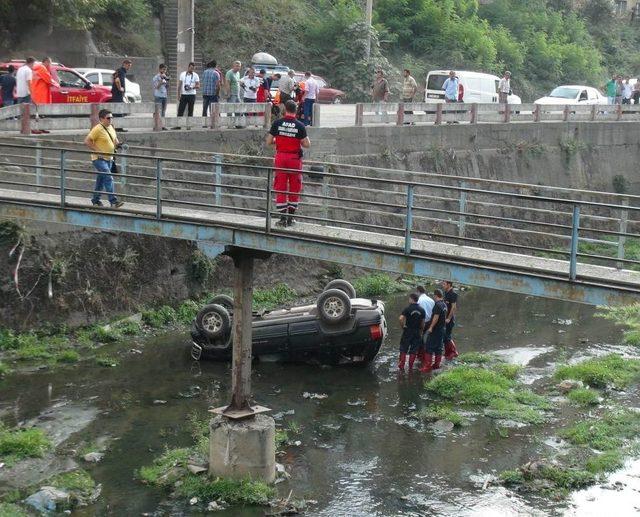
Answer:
(476, 87)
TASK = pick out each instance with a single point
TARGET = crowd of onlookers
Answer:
(622, 91)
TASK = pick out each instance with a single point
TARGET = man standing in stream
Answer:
(451, 299)
(289, 136)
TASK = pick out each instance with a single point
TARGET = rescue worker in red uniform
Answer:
(289, 136)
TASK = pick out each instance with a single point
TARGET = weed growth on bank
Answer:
(12, 510)
(627, 316)
(584, 397)
(18, 444)
(269, 299)
(611, 370)
(377, 284)
(442, 412)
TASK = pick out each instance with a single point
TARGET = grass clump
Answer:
(512, 477)
(444, 412)
(107, 361)
(12, 510)
(128, 327)
(611, 370)
(187, 311)
(268, 299)
(567, 478)
(627, 316)
(584, 397)
(493, 388)
(230, 490)
(106, 334)
(67, 357)
(377, 284)
(606, 462)
(606, 433)
(510, 371)
(74, 481)
(4, 369)
(18, 444)
(166, 469)
(159, 317)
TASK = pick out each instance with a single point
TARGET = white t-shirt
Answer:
(23, 80)
(427, 304)
(310, 88)
(627, 90)
(248, 83)
(188, 80)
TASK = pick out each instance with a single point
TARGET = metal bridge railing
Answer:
(576, 226)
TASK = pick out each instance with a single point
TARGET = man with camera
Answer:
(250, 84)
(103, 141)
(188, 86)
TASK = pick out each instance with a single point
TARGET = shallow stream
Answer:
(362, 450)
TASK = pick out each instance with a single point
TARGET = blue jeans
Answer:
(104, 181)
(8, 102)
(207, 100)
(162, 102)
(308, 111)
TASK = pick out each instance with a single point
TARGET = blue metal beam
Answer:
(290, 244)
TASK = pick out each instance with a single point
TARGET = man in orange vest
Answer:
(42, 82)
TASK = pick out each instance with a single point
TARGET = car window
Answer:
(69, 79)
(93, 78)
(321, 82)
(107, 79)
(583, 95)
(592, 94)
(435, 81)
(497, 85)
(564, 93)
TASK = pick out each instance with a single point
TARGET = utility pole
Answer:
(185, 37)
(368, 15)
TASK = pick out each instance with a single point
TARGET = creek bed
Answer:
(362, 450)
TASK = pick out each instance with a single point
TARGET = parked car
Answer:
(476, 87)
(338, 329)
(573, 94)
(104, 77)
(73, 89)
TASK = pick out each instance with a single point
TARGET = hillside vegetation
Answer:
(543, 42)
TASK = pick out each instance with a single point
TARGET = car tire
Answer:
(213, 321)
(343, 285)
(223, 299)
(334, 306)
(337, 100)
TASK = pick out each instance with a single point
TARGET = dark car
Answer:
(326, 94)
(338, 329)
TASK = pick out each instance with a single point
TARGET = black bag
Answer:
(114, 166)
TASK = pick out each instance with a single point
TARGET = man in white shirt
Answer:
(23, 81)
(188, 85)
(425, 302)
(250, 85)
(310, 95)
(504, 88)
(627, 91)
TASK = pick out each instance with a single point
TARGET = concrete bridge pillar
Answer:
(242, 438)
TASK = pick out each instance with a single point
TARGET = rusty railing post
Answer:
(359, 114)
(474, 113)
(157, 119)
(507, 113)
(438, 114)
(408, 221)
(93, 117)
(400, 114)
(25, 118)
(215, 115)
(267, 116)
(619, 112)
(565, 113)
(594, 112)
(536, 113)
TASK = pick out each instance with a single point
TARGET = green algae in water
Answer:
(602, 372)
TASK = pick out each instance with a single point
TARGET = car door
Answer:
(74, 88)
(93, 78)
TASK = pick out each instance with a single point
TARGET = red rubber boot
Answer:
(436, 363)
(426, 364)
(412, 360)
(403, 358)
(450, 350)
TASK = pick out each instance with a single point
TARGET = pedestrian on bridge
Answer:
(409, 89)
(434, 342)
(412, 321)
(189, 83)
(289, 136)
(451, 299)
(102, 140)
(210, 87)
(450, 87)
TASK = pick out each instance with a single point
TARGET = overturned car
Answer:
(339, 329)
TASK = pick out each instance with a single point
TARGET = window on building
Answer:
(621, 6)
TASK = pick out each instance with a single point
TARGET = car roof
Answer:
(91, 70)
(465, 73)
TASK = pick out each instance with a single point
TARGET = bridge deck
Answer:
(478, 257)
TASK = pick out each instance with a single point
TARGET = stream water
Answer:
(362, 450)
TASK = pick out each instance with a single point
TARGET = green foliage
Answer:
(611, 370)
(78, 481)
(476, 358)
(12, 510)
(511, 477)
(159, 317)
(376, 284)
(494, 388)
(164, 471)
(128, 327)
(606, 462)
(625, 315)
(4, 369)
(230, 490)
(567, 478)
(11, 232)
(444, 412)
(584, 397)
(620, 184)
(268, 299)
(106, 334)
(67, 356)
(605, 433)
(106, 361)
(17, 444)
(187, 312)
(201, 267)
(510, 371)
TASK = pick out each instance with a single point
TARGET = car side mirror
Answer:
(88, 86)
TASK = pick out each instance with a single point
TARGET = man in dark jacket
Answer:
(435, 334)
(412, 321)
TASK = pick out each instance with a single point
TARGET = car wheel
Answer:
(334, 306)
(337, 100)
(343, 285)
(214, 321)
(223, 299)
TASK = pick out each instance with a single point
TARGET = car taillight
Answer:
(376, 332)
